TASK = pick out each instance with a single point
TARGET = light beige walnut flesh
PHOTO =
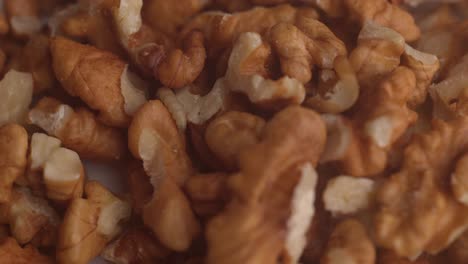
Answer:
(385, 14)
(11, 252)
(348, 195)
(275, 174)
(260, 90)
(338, 89)
(13, 157)
(377, 53)
(89, 224)
(41, 147)
(16, 89)
(188, 107)
(430, 221)
(23, 17)
(154, 139)
(127, 17)
(135, 245)
(349, 243)
(64, 175)
(31, 218)
(99, 78)
(228, 135)
(78, 129)
(425, 67)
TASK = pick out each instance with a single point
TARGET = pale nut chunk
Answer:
(136, 245)
(260, 90)
(385, 14)
(154, 139)
(277, 172)
(348, 195)
(63, 175)
(403, 222)
(338, 89)
(232, 132)
(459, 180)
(349, 243)
(11, 252)
(377, 53)
(188, 107)
(424, 66)
(82, 70)
(78, 129)
(41, 147)
(16, 89)
(13, 157)
(128, 19)
(89, 224)
(31, 218)
(23, 17)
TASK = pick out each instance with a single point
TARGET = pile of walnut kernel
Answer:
(253, 131)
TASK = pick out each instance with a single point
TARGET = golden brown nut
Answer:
(11, 252)
(377, 53)
(338, 89)
(389, 257)
(349, 243)
(31, 218)
(96, 76)
(458, 251)
(154, 139)
(168, 17)
(135, 245)
(209, 187)
(35, 58)
(89, 224)
(16, 89)
(13, 157)
(263, 91)
(78, 130)
(459, 180)
(139, 186)
(275, 173)
(385, 14)
(382, 116)
(221, 29)
(430, 221)
(228, 135)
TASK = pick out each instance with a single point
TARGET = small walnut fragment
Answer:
(348, 195)
(11, 252)
(31, 218)
(260, 90)
(208, 193)
(275, 173)
(16, 89)
(430, 221)
(98, 78)
(23, 17)
(349, 243)
(136, 245)
(78, 129)
(89, 224)
(229, 134)
(154, 139)
(13, 157)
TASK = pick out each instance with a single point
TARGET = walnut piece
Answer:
(348, 195)
(13, 157)
(349, 243)
(79, 130)
(232, 132)
(11, 252)
(89, 224)
(275, 173)
(16, 89)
